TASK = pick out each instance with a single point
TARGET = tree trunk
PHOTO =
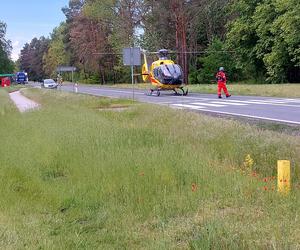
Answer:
(181, 36)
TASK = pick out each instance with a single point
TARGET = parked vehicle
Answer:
(49, 84)
(21, 77)
(5, 81)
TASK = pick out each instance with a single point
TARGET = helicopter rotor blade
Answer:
(190, 52)
(170, 52)
(107, 53)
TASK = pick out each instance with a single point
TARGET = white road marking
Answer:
(258, 102)
(252, 116)
(229, 103)
(196, 107)
(208, 104)
(286, 100)
(264, 103)
(272, 101)
(295, 101)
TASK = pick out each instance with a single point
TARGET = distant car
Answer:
(49, 84)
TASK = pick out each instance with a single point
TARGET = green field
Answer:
(275, 90)
(93, 173)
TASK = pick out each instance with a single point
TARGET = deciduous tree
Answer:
(6, 65)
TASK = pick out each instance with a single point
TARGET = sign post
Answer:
(71, 69)
(132, 57)
(60, 69)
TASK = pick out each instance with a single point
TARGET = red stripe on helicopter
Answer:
(153, 80)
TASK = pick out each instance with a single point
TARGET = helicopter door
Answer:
(169, 74)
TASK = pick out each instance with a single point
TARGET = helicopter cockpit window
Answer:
(169, 74)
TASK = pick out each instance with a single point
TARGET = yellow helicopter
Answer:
(163, 74)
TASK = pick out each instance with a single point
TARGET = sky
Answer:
(27, 19)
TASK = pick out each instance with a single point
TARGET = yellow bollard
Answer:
(284, 176)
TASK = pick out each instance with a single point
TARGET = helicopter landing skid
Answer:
(182, 92)
(150, 92)
(157, 91)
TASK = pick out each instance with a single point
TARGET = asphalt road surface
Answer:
(280, 110)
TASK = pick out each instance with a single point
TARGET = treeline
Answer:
(6, 64)
(255, 40)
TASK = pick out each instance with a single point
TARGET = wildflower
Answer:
(254, 174)
(265, 188)
(265, 179)
(248, 163)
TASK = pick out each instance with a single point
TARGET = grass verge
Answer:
(14, 87)
(75, 177)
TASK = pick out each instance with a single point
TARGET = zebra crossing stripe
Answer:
(196, 107)
(229, 103)
(263, 103)
(208, 104)
(249, 102)
(271, 101)
(278, 101)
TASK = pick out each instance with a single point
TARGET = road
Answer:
(280, 110)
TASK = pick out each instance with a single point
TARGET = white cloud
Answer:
(17, 46)
(16, 43)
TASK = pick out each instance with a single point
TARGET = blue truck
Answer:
(21, 77)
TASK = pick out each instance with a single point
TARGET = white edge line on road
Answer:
(252, 116)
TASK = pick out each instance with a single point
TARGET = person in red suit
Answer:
(221, 79)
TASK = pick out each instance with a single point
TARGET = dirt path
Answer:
(23, 103)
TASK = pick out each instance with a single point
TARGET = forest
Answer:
(6, 64)
(257, 41)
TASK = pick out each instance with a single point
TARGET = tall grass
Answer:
(77, 175)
